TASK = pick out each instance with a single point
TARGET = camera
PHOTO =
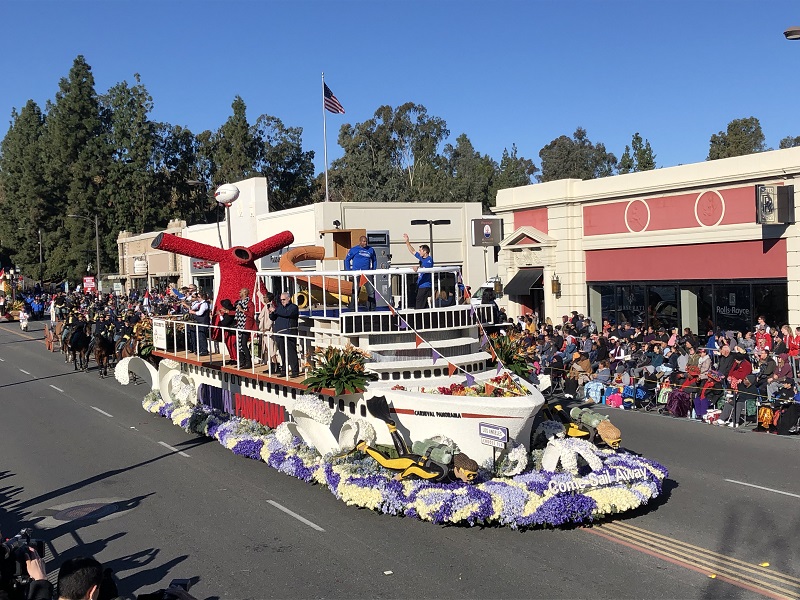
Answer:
(14, 578)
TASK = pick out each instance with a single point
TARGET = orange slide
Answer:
(331, 284)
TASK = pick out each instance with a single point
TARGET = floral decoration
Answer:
(313, 406)
(514, 462)
(532, 498)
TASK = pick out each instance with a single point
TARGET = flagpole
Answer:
(325, 136)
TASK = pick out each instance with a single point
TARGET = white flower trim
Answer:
(169, 363)
(514, 462)
(356, 430)
(566, 452)
(181, 388)
(315, 408)
(283, 434)
(121, 372)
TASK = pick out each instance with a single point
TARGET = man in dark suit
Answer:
(286, 316)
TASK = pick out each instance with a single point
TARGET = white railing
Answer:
(186, 336)
(322, 290)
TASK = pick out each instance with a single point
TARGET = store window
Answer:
(772, 301)
(662, 306)
(732, 307)
(608, 304)
(631, 305)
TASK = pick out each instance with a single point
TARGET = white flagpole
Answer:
(325, 136)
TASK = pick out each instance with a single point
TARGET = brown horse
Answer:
(103, 350)
(77, 345)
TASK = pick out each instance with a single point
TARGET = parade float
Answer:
(443, 397)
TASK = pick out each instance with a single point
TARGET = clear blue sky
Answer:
(502, 72)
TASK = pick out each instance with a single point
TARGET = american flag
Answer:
(332, 103)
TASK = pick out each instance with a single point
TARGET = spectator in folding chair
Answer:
(782, 375)
(580, 373)
(757, 380)
(737, 403)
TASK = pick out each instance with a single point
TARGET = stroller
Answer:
(650, 385)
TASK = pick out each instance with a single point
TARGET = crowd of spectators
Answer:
(732, 370)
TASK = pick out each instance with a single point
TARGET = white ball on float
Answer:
(226, 194)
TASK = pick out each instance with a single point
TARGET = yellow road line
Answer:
(705, 561)
(743, 564)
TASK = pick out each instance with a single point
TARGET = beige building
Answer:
(679, 246)
(333, 225)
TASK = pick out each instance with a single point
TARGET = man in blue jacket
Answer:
(424, 282)
(362, 258)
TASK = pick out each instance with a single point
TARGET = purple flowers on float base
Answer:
(530, 499)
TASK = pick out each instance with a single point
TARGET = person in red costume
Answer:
(237, 265)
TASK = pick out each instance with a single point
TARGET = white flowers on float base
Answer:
(181, 388)
(153, 401)
(284, 434)
(312, 406)
(514, 462)
(121, 372)
(356, 430)
(566, 451)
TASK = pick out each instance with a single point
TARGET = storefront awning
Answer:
(522, 282)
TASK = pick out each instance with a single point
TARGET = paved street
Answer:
(95, 474)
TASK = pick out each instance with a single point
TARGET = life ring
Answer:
(301, 299)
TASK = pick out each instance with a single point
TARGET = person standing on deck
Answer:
(424, 280)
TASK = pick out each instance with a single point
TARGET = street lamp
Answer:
(430, 224)
(793, 33)
(96, 244)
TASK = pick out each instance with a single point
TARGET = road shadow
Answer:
(46, 377)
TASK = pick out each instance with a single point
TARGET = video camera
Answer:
(14, 578)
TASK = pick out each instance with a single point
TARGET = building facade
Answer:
(335, 226)
(679, 246)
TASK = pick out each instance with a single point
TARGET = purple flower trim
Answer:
(293, 465)
(561, 509)
(249, 449)
(276, 459)
(332, 479)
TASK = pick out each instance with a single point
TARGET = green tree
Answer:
(183, 178)
(23, 201)
(643, 153)
(288, 169)
(513, 171)
(392, 157)
(742, 136)
(130, 196)
(641, 158)
(626, 164)
(469, 174)
(232, 149)
(576, 158)
(76, 163)
(789, 142)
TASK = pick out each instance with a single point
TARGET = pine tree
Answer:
(23, 200)
(76, 165)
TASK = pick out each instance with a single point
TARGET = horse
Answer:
(130, 348)
(78, 345)
(103, 349)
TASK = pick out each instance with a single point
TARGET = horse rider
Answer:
(125, 334)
